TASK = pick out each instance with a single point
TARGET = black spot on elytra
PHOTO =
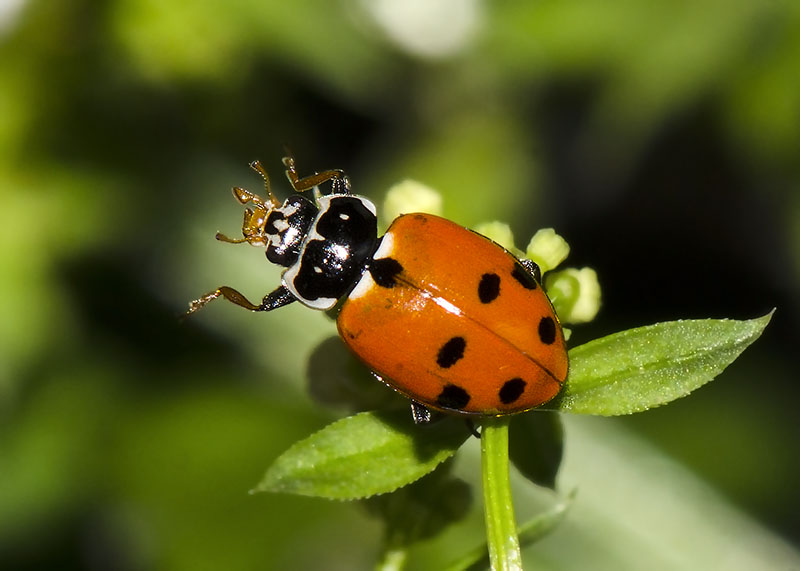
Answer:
(453, 396)
(489, 288)
(385, 271)
(451, 352)
(512, 390)
(524, 277)
(547, 330)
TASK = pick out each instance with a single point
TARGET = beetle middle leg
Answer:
(273, 300)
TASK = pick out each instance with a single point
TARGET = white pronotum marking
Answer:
(366, 283)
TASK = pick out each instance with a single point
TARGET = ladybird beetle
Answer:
(440, 313)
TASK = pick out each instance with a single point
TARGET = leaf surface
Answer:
(642, 368)
(363, 455)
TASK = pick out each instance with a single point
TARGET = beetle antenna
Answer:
(256, 166)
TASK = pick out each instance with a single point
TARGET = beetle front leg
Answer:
(273, 300)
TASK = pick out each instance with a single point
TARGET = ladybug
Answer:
(440, 313)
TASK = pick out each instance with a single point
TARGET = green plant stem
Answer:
(501, 527)
(393, 559)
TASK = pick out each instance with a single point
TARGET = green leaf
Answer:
(536, 445)
(363, 455)
(539, 526)
(423, 509)
(642, 368)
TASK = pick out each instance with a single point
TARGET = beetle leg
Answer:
(533, 269)
(423, 415)
(340, 184)
(420, 413)
(273, 300)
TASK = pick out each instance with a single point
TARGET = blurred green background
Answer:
(662, 139)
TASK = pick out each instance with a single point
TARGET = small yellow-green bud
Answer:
(499, 232)
(547, 249)
(410, 196)
(575, 294)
